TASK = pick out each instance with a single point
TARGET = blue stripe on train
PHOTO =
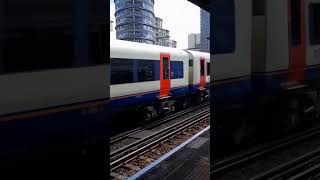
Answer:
(311, 74)
(227, 94)
(26, 134)
(148, 97)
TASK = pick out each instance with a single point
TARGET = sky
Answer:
(180, 17)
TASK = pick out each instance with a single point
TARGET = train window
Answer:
(52, 35)
(258, 7)
(176, 69)
(295, 22)
(121, 71)
(166, 74)
(202, 67)
(208, 69)
(146, 70)
(223, 27)
(50, 49)
(97, 45)
(314, 23)
(190, 62)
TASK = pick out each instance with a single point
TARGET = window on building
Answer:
(166, 74)
(314, 23)
(121, 71)
(208, 69)
(295, 22)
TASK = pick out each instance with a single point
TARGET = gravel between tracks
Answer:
(129, 140)
(151, 155)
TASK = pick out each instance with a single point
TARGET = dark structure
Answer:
(135, 20)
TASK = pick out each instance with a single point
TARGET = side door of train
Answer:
(203, 74)
(312, 9)
(165, 75)
(297, 41)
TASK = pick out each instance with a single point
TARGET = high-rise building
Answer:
(205, 31)
(162, 35)
(172, 43)
(194, 42)
(135, 20)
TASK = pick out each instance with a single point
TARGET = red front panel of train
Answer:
(164, 75)
(202, 73)
(297, 52)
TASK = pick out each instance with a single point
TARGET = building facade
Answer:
(162, 35)
(172, 43)
(205, 31)
(194, 41)
(135, 20)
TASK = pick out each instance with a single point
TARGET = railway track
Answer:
(126, 136)
(128, 160)
(300, 168)
(227, 164)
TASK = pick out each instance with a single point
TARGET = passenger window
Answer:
(121, 71)
(165, 68)
(258, 7)
(40, 44)
(176, 69)
(314, 23)
(202, 67)
(208, 69)
(295, 22)
(190, 62)
(146, 70)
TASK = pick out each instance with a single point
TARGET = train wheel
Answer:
(293, 116)
(172, 109)
(186, 103)
(147, 115)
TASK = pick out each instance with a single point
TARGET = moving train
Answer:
(53, 92)
(265, 64)
(156, 80)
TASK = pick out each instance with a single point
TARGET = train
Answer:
(52, 78)
(265, 64)
(156, 80)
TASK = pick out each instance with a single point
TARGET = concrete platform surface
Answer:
(190, 162)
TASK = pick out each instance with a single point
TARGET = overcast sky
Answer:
(180, 17)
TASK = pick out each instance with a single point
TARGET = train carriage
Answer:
(147, 77)
(266, 59)
(51, 76)
(199, 74)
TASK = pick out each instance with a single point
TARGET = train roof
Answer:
(197, 54)
(126, 49)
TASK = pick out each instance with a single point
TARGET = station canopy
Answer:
(203, 4)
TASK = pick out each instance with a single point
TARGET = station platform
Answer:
(189, 161)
